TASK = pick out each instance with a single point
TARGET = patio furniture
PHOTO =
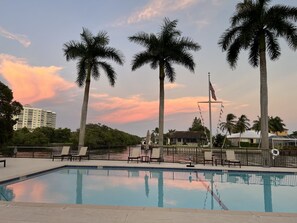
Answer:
(135, 154)
(230, 158)
(156, 155)
(208, 157)
(4, 162)
(83, 153)
(65, 153)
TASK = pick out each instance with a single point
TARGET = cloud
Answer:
(135, 108)
(157, 8)
(170, 86)
(22, 39)
(31, 83)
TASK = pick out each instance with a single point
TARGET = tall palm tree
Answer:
(162, 50)
(91, 53)
(242, 125)
(228, 125)
(256, 26)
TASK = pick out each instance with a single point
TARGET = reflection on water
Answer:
(157, 188)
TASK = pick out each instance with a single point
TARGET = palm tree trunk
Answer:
(264, 103)
(84, 111)
(161, 106)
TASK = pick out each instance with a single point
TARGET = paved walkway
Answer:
(18, 212)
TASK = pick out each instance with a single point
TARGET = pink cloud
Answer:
(169, 86)
(158, 7)
(31, 83)
(136, 108)
(22, 39)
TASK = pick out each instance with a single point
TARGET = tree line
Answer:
(97, 135)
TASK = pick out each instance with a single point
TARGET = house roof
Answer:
(250, 134)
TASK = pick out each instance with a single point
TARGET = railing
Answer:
(172, 154)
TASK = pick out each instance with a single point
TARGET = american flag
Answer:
(213, 94)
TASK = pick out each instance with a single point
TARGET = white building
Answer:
(249, 136)
(35, 117)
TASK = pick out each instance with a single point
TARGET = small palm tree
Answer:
(91, 54)
(257, 125)
(162, 51)
(228, 125)
(242, 125)
(276, 124)
(256, 26)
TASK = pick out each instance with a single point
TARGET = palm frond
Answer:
(142, 38)
(87, 37)
(95, 70)
(254, 52)
(273, 47)
(82, 72)
(101, 39)
(233, 52)
(140, 59)
(113, 54)
(111, 74)
(228, 37)
(169, 72)
(188, 44)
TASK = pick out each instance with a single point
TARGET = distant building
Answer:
(249, 136)
(35, 117)
(191, 138)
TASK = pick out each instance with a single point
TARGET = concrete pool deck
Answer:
(21, 212)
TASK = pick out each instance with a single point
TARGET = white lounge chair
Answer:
(83, 153)
(156, 154)
(4, 162)
(65, 153)
(135, 154)
(208, 157)
(230, 158)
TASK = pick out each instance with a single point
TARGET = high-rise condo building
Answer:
(35, 117)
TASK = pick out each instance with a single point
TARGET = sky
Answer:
(33, 65)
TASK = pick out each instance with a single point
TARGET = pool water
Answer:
(264, 192)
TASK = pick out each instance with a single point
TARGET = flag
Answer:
(213, 94)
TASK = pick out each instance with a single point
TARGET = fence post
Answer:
(247, 156)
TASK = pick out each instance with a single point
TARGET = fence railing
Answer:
(172, 154)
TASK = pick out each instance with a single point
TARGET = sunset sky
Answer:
(32, 64)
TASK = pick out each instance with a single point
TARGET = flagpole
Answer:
(209, 106)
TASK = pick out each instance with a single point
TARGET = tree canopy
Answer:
(8, 109)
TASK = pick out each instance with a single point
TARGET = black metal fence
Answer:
(171, 154)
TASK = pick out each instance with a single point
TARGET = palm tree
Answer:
(228, 126)
(257, 125)
(91, 53)
(276, 125)
(162, 51)
(242, 125)
(256, 26)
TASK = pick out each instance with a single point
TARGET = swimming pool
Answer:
(170, 188)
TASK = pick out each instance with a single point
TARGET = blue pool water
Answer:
(264, 192)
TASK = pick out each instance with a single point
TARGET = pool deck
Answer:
(20, 212)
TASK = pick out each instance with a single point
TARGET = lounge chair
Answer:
(65, 153)
(83, 153)
(156, 155)
(208, 157)
(230, 158)
(135, 154)
(4, 162)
